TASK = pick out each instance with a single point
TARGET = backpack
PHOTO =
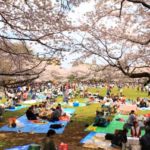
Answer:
(109, 136)
(56, 126)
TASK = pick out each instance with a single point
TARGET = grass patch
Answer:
(130, 93)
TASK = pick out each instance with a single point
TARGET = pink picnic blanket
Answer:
(126, 108)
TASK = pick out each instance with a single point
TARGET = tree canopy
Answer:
(116, 31)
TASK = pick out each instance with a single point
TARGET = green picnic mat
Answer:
(114, 124)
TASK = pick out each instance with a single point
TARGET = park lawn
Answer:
(130, 93)
(85, 113)
(83, 116)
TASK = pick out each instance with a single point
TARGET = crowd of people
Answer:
(45, 111)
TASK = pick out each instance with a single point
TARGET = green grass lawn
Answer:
(130, 93)
(87, 113)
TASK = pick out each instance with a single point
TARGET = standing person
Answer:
(65, 98)
(131, 118)
(149, 90)
(135, 130)
(2, 110)
(145, 139)
(121, 91)
(108, 91)
(48, 143)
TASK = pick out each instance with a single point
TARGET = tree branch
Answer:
(121, 6)
(140, 2)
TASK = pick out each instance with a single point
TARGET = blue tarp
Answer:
(24, 147)
(16, 108)
(28, 126)
(69, 110)
(88, 137)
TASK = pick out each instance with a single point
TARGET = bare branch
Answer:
(140, 2)
(121, 6)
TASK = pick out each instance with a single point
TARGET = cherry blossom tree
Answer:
(36, 25)
(118, 33)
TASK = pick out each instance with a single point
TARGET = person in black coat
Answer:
(30, 115)
(145, 139)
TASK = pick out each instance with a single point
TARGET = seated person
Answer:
(148, 103)
(30, 114)
(9, 104)
(142, 103)
(107, 103)
(25, 95)
(100, 120)
(138, 102)
(61, 109)
(36, 110)
(120, 138)
(66, 99)
(16, 101)
(2, 110)
(55, 114)
(135, 130)
(33, 96)
(12, 122)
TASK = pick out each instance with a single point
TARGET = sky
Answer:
(76, 15)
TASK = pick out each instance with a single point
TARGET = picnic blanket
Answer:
(16, 108)
(126, 108)
(88, 137)
(73, 104)
(29, 102)
(41, 96)
(69, 110)
(24, 147)
(144, 108)
(28, 126)
(114, 124)
(96, 140)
